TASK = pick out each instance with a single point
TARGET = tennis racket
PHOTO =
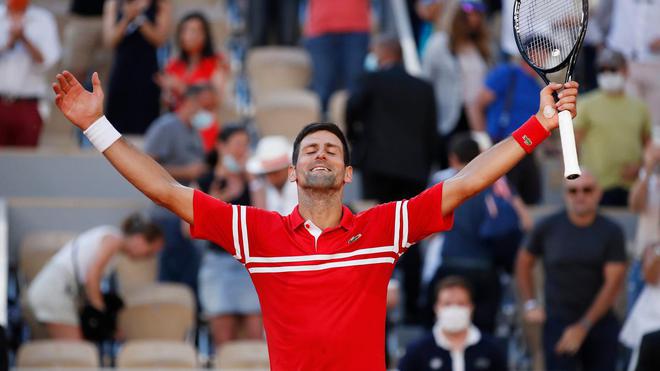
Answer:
(549, 34)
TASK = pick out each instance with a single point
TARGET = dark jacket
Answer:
(481, 354)
(391, 124)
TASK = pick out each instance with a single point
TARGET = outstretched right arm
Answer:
(83, 108)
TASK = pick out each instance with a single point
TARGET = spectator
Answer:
(508, 96)
(644, 199)
(272, 160)
(83, 263)
(29, 46)
(337, 38)
(175, 144)
(273, 22)
(644, 318)
(611, 119)
(83, 37)
(375, 111)
(227, 296)
(455, 341)
(471, 251)
(641, 46)
(135, 29)
(456, 63)
(584, 261)
(196, 63)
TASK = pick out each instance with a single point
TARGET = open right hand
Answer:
(78, 105)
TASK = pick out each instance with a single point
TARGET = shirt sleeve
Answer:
(46, 40)
(157, 143)
(422, 216)
(616, 246)
(534, 240)
(226, 225)
(213, 221)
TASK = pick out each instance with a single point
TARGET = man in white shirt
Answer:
(271, 160)
(29, 46)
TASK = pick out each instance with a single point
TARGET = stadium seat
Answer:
(286, 112)
(57, 353)
(157, 354)
(132, 274)
(36, 250)
(158, 312)
(337, 109)
(242, 354)
(276, 68)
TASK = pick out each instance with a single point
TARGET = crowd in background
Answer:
(168, 79)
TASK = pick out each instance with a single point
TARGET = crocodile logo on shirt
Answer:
(354, 238)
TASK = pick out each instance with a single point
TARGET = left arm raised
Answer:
(499, 159)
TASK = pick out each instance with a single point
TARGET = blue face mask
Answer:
(231, 164)
(202, 119)
(371, 62)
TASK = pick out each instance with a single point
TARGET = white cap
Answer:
(273, 153)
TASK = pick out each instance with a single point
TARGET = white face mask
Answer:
(611, 82)
(453, 318)
(202, 119)
(231, 164)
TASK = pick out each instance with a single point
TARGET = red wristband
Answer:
(530, 134)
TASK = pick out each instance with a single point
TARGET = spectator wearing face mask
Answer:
(455, 344)
(611, 119)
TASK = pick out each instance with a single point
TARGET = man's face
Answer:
(582, 195)
(321, 163)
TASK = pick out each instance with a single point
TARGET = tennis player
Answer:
(321, 272)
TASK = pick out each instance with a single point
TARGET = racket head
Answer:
(549, 33)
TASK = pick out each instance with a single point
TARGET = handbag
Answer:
(96, 325)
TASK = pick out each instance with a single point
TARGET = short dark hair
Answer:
(452, 282)
(464, 147)
(138, 224)
(320, 126)
(230, 130)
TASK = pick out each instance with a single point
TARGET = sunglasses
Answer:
(608, 69)
(575, 190)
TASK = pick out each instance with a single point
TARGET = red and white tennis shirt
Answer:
(322, 293)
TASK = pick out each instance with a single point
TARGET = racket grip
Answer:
(569, 151)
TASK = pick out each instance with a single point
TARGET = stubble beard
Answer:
(321, 182)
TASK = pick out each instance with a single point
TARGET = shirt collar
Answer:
(473, 337)
(346, 221)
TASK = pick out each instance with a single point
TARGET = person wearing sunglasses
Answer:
(583, 256)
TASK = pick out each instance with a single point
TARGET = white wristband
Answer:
(102, 134)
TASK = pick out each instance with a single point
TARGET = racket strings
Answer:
(549, 30)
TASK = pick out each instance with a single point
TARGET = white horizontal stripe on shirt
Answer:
(304, 258)
(318, 267)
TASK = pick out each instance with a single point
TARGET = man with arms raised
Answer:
(321, 272)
